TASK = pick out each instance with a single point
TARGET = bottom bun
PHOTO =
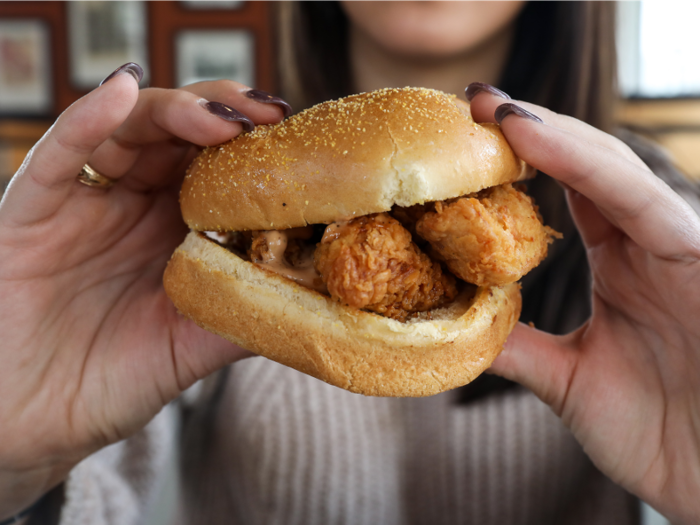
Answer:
(359, 351)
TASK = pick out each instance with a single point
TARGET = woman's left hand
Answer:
(627, 383)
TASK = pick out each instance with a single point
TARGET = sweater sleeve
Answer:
(120, 484)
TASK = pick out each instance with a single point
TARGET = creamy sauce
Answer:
(304, 273)
(334, 231)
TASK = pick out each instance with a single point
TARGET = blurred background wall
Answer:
(659, 76)
(52, 53)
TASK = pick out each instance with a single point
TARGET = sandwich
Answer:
(374, 242)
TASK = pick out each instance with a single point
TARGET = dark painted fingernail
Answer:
(132, 68)
(477, 87)
(509, 108)
(227, 113)
(258, 95)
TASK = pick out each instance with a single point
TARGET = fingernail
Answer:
(227, 113)
(508, 108)
(477, 87)
(258, 95)
(132, 68)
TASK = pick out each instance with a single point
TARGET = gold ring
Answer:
(94, 179)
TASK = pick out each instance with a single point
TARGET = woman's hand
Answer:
(91, 347)
(627, 383)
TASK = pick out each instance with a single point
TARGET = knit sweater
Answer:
(288, 449)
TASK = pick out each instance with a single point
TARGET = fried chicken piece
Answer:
(370, 262)
(492, 238)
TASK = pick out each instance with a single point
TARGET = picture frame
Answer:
(104, 35)
(25, 68)
(213, 54)
(197, 5)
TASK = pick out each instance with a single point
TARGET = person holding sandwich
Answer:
(93, 351)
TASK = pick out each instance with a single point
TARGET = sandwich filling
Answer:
(409, 260)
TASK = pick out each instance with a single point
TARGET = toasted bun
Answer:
(355, 350)
(346, 158)
(339, 160)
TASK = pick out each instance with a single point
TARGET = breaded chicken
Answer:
(493, 238)
(370, 262)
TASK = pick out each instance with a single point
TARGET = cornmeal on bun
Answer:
(374, 242)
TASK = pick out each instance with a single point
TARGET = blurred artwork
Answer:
(103, 36)
(17, 53)
(25, 76)
(215, 54)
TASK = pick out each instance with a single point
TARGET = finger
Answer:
(205, 114)
(158, 166)
(593, 226)
(165, 113)
(48, 174)
(633, 198)
(485, 100)
(262, 107)
(198, 353)
(177, 117)
(541, 362)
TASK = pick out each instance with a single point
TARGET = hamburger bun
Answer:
(347, 158)
(336, 161)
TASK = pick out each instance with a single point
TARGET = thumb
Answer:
(48, 174)
(539, 361)
(198, 353)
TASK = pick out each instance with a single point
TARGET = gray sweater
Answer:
(288, 449)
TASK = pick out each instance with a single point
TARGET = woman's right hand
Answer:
(92, 348)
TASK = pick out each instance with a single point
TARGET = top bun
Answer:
(351, 157)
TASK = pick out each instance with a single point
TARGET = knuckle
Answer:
(208, 87)
(74, 146)
(229, 85)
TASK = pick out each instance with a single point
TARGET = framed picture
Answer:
(25, 68)
(212, 4)
(213, 55)
(102, 36)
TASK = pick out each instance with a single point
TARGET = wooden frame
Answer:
(167, 19)
(102, 37)
(164, 20)
(25, 64)
(210, 54)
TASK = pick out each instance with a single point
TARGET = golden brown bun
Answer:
(359, 351)
(347, 158)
